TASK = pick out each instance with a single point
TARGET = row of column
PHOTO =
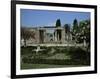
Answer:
(55, 36)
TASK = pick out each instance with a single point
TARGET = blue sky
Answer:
(34, 18)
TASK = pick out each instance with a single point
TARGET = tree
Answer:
(81, 33)
(58, 24)
(75, 30)
(26, 34)
(67, 28)
(67, 32)
(85, 31)
(75, 24)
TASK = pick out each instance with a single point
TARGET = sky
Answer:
(40, 18)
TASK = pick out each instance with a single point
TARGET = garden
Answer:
(51, 57)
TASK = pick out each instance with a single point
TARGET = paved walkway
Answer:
(49, 45)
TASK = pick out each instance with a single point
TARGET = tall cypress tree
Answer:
(58, 23)
(75, 24)
(75, 29)
(67, 28)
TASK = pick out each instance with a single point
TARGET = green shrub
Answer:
(79, 55)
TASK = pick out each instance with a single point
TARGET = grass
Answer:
(37, 66)
(41, 66)
(60, 57)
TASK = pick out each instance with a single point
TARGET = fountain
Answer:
(38, 49)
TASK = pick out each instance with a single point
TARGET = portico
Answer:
(57, 35)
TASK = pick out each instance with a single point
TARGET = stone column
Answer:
(63, 36)
(55, 35)
(71, 37)
(44, 35)
(53, 38)
(37, 36)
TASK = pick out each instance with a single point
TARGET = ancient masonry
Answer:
(43, 37)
